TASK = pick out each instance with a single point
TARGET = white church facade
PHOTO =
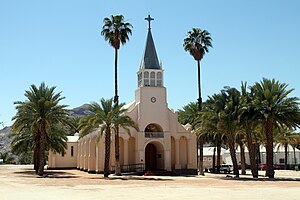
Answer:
(161, 143)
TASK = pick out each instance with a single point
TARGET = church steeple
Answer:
(150, 60)
(150, 73)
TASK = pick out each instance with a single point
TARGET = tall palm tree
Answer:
(107, 117)
(116, 31)
(197, 44)
(274, 107)
(40, 115)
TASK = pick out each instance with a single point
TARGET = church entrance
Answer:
(151, 156)
(154, 156)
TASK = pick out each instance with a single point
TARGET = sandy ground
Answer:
(20, 182)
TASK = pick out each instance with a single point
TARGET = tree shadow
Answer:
(261, 179)
(47, 174)
(135, 178)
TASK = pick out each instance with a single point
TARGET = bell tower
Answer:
(150, 73)
(151, 95)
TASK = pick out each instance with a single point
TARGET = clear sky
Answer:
(59, 42)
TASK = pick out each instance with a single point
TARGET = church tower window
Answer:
(152, 79)
(159, 79)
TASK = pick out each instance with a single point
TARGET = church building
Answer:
(161, 143)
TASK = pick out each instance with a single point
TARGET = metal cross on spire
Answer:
(149, 19)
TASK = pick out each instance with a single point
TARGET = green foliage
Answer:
(115, 30)
(189, 114)
(105, 118)
(40, 123)
(197, 43)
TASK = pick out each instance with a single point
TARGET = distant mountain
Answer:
(80, 111)
(5, 140)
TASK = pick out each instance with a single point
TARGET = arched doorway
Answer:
(154, 156)
(150, 157)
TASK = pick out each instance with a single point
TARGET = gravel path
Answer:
(20, 182)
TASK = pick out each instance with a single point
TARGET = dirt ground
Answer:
(20, 182)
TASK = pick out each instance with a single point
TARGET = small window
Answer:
(63, 154)
(152, 75)
(72, 151)
(209, 159)
(204, 159)
(281, 160)
(159, 76)
(146, 75)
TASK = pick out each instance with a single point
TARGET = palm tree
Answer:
(107, 117)
(284, 137)
(248, 124)
(273, 107)
(74, 125)
(116, 31)
(228, 121)
(189, 114)
(40, 115)
(197, 44)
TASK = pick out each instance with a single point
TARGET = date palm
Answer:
(107, 117)
(197, 44)
(274, 107)
(116, 31)
(248, 125)
(228, 121)
(284, 137)
(40, 116)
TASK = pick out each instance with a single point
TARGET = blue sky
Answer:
(59, 42)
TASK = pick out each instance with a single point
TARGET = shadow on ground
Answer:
(136, 178)
(47, 174)
(260, 179)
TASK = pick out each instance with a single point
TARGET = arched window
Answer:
(139, 79)
(159, 79)
(146, 79)
(152, 79)
(146, 74)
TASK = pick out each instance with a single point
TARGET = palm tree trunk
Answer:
(218, 157)
(116, 97)
(214, 159)
(233, 154)
(201, 171)
(107, 152)
(295, 159)
(199, 88)
(243, 159)
(116, 102)
(285, 156)
(251, 148)
(42, 149)
(36, 156)
(269, 147)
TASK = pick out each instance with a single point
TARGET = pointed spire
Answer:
(150, 60)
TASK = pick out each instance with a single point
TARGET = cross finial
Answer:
(149, 19)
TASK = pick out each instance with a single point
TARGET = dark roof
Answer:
(150, 60)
